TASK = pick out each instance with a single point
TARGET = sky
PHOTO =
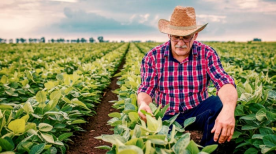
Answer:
(116, 20)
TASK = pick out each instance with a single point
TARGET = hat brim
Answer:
(164, 27)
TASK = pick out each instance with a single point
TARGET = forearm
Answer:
(144, 98)
(228, 96)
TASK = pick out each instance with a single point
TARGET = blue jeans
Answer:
(206, 113)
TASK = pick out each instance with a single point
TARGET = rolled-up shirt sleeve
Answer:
(216, 71)
(148, 76)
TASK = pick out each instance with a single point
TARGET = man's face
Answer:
(181, 46)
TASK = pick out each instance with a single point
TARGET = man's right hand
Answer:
(144, 106)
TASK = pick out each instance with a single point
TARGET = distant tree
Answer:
(42, 40)
(83, 40)
(52, 40)
(22, 40)
(1, 40)
(78, 40)
(10, 40)
(101, 39)
(91, 40)
(17, 40)
(68, 41)
(30, 40)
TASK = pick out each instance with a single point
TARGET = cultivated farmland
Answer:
(47, 91)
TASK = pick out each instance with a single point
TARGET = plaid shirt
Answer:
(183, 85)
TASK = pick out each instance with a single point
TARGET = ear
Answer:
(196, 34)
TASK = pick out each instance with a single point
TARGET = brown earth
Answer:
(84, 142)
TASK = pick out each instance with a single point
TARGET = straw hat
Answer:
(182, 22)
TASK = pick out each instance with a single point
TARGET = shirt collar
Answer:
(168, 48)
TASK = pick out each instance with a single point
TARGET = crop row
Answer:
(260, 57)
(44, 123)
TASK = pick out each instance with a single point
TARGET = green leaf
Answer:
(129, 149)
(25, 117)
(271, 116)
(5, 107)
(17, 126)
(239, 110)
(248, 127)
(189, 121)
(37, 149)
(261, 114)
(6, 145)
(181, 145)
(145, 113)
(41, 96)
(257, 136)
(28, 108)
(270, 140)
(112, 138)
(133, 116)
(4, 79)
(153, 124)
(104, 147)
(78, 121)
(210, 148)
(8, 152)
(67, 91)
(248, 117)
(59, 77)
(79, 103)
(248, 88)
(64, 136)
(149, 149)
(192, 148)
(236, 134)
(114, 114)
(49, 85)
(152, 107)
(251, 151)
(47, 137)
(55, 95)
(162, 112)
(172, 119)
(44, 127)
(257, 143)
(266, 130)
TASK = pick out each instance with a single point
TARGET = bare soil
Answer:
(85, 142)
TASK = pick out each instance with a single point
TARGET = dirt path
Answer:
(84, 142)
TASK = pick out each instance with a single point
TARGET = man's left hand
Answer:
(224, 126)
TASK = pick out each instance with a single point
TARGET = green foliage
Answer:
(44, 94)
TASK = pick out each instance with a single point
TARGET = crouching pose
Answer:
(178, 73)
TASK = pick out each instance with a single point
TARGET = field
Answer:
(59, 98)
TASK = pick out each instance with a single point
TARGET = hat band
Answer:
(182, 28)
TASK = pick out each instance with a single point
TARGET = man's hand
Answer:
(144, 106)
(224, 126)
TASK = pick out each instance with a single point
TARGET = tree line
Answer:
(60, 40)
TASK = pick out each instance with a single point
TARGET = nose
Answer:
(181, 42)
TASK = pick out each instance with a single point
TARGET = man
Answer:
(178, 73)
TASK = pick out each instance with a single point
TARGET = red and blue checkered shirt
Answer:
(183, 85)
